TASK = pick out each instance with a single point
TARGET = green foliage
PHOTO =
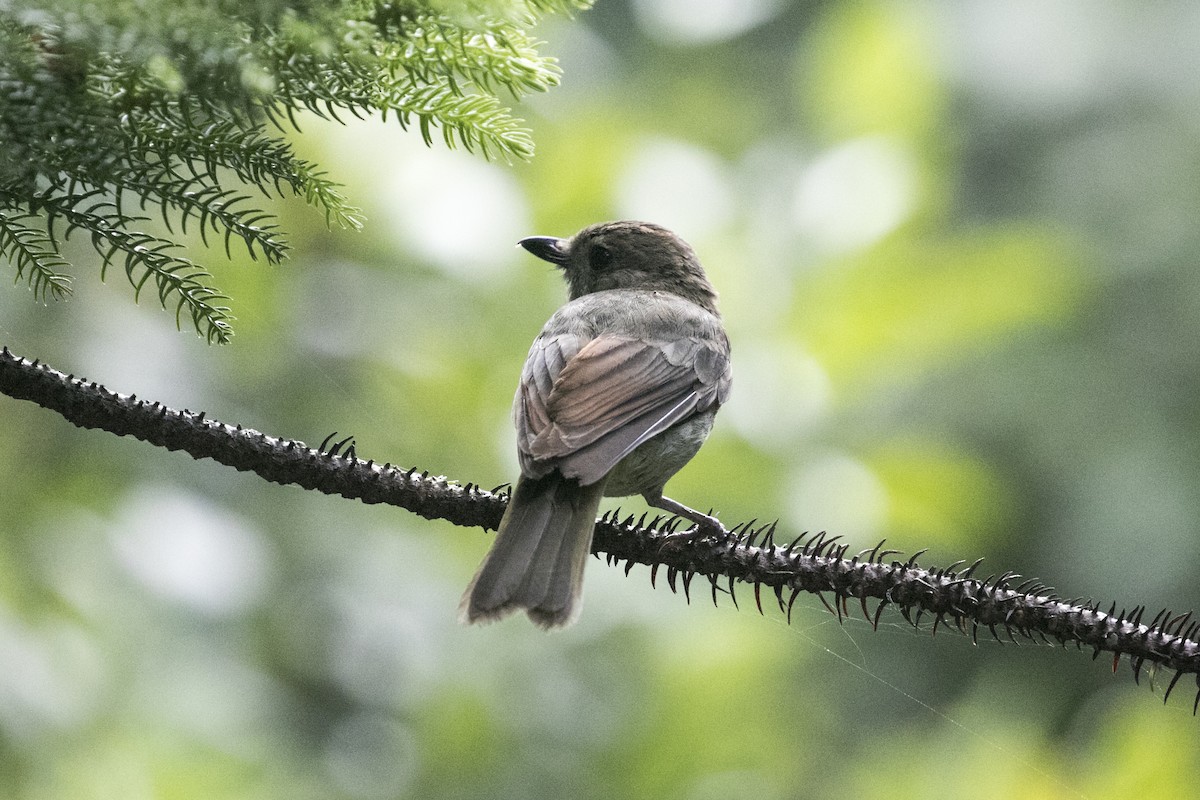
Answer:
(111, 108)
(1011, 372)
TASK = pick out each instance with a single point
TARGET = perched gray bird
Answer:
(618, 393)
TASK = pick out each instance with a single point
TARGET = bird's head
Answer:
(627, 255)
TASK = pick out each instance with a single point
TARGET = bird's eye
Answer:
(599, 258)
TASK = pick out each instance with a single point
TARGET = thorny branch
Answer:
(814, 564)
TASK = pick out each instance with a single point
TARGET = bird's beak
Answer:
(547, 248)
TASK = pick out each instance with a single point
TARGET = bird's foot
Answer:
(706, 527)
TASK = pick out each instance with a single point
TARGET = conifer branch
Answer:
(142, 256)
(35, 256)
(1001, 606)
(166, 104)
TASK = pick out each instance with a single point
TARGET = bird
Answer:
(618, 392)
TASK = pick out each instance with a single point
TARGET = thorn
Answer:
(1116, 662)
(768, 540)
(687, 586)
(758, 597)
(912, 561)
(791, 602)
(1138, 613)
(325, 442)
(671, 573)
(732, 596)
(825, 602)
(873, 553)
(878, 611)
(969, 571)
(653, 575)
(1136, 663)
(828, 546)
(1171, 685)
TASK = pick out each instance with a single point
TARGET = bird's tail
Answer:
(536, 563)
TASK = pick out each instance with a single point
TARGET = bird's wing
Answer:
(583, 405)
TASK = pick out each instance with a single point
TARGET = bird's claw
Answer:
(705, 528)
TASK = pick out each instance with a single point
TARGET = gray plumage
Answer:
(618, 393)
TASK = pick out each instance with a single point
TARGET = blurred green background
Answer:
(956, 247)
